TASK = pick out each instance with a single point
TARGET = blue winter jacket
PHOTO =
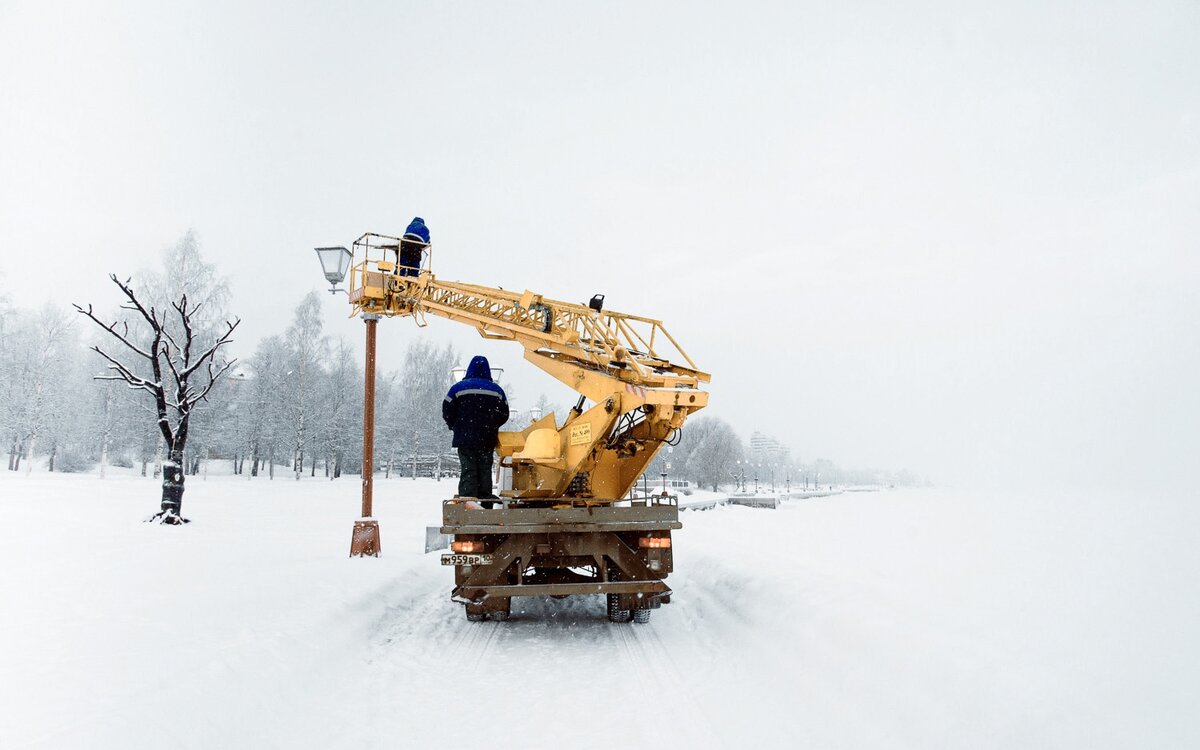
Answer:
(417, 230)
(475, 407)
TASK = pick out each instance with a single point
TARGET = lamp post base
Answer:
(365, 540)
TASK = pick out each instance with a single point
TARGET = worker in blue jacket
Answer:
(475, 408)
(412, 244)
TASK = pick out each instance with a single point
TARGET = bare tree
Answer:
(266, 404)
(422, 386)
(341, 412)
(307, 349)
(714, 451)
(176, 356)
(33, 368)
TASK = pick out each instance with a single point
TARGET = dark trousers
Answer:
(409, 258)
(475, 474)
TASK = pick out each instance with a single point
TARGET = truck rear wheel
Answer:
(641, 616)
(475, 616)
(615, 613)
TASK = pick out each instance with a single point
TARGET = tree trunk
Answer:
(298, 457)
(172, 487)
(106, 435)
(29, 454)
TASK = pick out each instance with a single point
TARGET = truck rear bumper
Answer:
(653, 588)
(458, 518)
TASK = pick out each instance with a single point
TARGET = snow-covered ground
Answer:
(908, 618)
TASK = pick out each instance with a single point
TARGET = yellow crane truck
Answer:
(564, 527)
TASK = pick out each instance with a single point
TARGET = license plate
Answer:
(467, 559)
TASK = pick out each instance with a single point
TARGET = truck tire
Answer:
(476, 616)
(499, 615)
(641, 616)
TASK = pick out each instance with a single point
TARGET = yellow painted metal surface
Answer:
(642, 385)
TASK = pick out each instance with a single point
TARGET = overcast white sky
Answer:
(959, 238)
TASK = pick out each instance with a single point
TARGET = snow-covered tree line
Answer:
(710, 454)
(39, 382)
(292, 407)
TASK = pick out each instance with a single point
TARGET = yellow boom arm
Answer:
(641, 382)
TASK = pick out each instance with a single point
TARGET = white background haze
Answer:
(957, 238)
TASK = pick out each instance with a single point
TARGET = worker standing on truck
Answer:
(475, 408)
(412, 244)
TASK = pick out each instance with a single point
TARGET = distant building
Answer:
(767, 450)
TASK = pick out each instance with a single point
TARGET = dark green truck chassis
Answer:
(622, 551)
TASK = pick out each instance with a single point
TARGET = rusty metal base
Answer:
(365, 540)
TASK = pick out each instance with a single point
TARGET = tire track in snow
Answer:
(663, 661)
(656, 665)
(476, 641)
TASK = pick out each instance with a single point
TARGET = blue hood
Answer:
(417, 228)
(479, 368)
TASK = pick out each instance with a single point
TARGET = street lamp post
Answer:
(365, 540)
(335, 262)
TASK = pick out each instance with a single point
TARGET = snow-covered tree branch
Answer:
(174, 401)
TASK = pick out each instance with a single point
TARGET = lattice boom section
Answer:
(505, 311)
(601, 337)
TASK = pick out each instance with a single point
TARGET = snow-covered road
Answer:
(898, 619)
